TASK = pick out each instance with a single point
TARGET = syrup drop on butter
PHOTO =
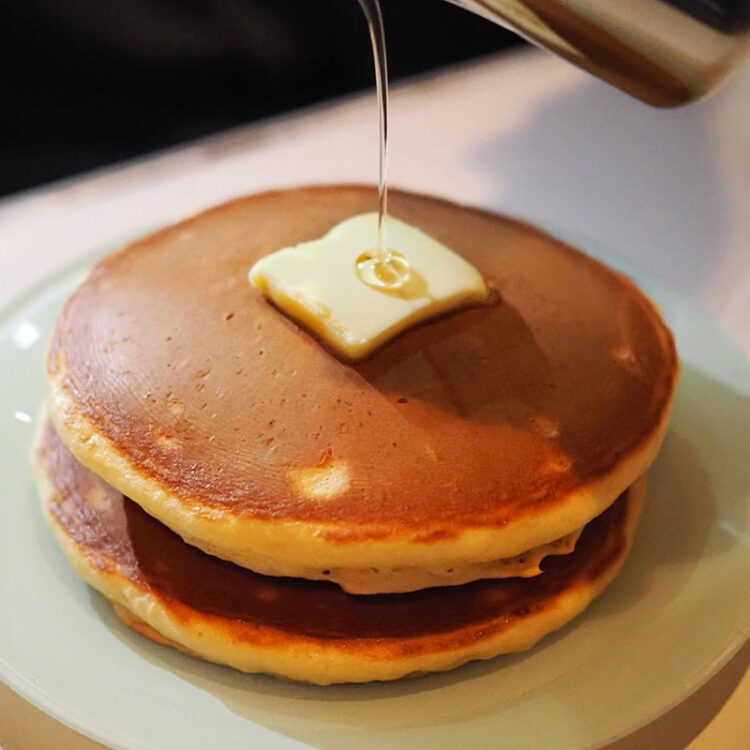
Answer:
(383, 270)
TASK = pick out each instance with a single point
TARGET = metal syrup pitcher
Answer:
(665, 52)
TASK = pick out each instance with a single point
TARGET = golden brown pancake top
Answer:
(469, 420)
(117, 536)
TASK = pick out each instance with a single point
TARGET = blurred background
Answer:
(89, 83)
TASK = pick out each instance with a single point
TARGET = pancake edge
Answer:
(302, 549)
(326, 661)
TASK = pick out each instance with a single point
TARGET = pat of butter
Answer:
(318, 284)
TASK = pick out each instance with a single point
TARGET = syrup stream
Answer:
(382, 269)
(374, 18)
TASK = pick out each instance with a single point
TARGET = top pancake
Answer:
(471, 437)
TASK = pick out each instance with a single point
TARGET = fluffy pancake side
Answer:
(306, 630)
(466, 440)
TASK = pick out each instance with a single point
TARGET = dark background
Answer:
(91, 82)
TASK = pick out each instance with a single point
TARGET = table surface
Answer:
(526, 134)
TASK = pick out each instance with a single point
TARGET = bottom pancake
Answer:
(309, 630)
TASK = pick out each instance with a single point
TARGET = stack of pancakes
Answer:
(240, 493)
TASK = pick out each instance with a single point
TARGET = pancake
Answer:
(175, 594)
(465, 441)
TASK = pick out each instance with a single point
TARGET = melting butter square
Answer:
(317, 283)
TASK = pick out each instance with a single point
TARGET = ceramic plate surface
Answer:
(676, 614)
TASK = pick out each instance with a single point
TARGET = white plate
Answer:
(677, 613)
